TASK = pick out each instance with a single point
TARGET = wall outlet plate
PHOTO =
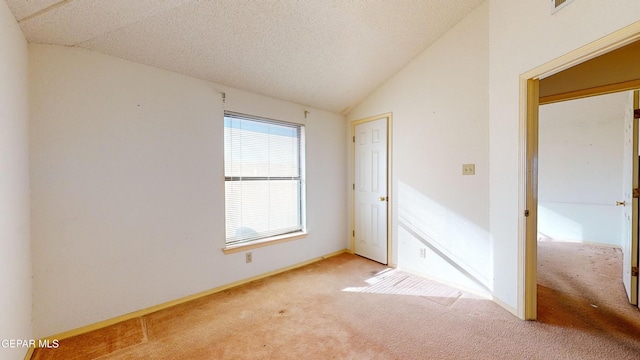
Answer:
(468, 169)
(249, 257)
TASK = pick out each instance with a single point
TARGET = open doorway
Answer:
(605, 66)
(582, 167)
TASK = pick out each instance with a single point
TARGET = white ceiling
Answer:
(329, 54)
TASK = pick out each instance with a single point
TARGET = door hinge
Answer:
(354, 233)
(636, 114)
(354, 186)
(634, 271)
(526, 213)
(636, 193)
(354, 139)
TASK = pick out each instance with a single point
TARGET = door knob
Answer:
(382, 198)
(621, 203)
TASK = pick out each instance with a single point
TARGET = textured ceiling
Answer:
(329, 54)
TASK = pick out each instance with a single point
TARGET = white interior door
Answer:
(630, 205)
(371, 197)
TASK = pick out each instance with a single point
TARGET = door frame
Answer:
(528, 150)
(390, 186)
(633, 291)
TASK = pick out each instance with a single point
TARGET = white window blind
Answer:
(263, 168)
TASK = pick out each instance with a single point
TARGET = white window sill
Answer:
(264, 242)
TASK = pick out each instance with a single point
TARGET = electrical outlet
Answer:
(468, 169)
(423, 253)
(249, 257)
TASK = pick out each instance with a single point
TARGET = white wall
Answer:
(15, 262)
(523, 36)
(580, 169)
(128, 189)
(458, 102)
(127, 173)
(440, 121)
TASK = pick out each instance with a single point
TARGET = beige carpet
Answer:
(580, 286)
(347, 307)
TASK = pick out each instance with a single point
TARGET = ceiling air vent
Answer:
(559, 4)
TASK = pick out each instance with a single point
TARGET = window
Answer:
(264, 178)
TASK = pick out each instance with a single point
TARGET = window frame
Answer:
(242, 245)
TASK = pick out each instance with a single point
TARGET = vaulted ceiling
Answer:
(329, 54)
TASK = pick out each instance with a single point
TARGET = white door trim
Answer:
(390, 186)
(528, 154)
(630, 209)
